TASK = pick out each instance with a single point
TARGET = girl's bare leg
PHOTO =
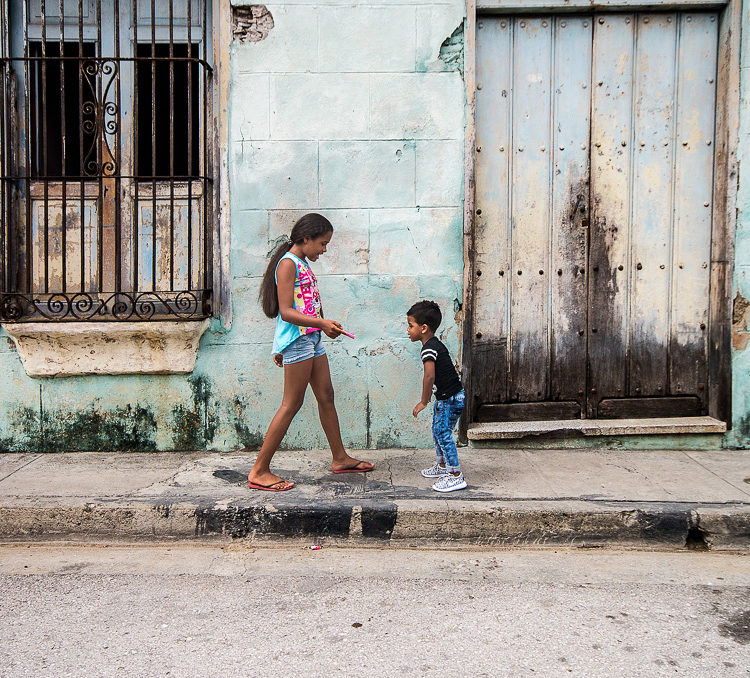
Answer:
(296, 379)
(320, 380)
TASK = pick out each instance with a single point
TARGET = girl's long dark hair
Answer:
(310, 226)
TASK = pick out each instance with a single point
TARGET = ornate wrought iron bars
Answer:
(106, 173)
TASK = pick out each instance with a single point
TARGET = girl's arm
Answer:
(285, 275)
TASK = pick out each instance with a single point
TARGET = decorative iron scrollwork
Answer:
(101, 117)
(105, 307)
(76, 218)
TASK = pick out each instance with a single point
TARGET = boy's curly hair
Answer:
(426, 313)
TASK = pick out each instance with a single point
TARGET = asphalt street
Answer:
(237, 610)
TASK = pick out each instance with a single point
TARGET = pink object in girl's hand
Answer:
(348, 334)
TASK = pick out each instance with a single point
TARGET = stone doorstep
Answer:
(77, 348)
(595, 427)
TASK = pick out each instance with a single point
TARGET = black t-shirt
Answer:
(447, 383)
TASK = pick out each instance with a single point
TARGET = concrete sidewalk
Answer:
(514, 497)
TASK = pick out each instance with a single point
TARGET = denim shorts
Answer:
(306, 347)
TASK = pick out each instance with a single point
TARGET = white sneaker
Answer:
(436, 471)
(450, 483)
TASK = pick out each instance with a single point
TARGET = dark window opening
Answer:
(153, 159)
(59, 131)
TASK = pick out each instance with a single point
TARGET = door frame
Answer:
(724, 214)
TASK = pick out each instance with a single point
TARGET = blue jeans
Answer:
(444, 418)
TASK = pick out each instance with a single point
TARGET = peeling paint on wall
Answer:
(740, 320)
(452, 50)
(252, 23)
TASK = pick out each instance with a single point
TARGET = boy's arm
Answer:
(428, 382)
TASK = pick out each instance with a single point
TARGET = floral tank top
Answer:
(306, 300)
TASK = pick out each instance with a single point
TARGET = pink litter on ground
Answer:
(314, 548)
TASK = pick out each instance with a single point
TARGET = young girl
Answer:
(289, 293)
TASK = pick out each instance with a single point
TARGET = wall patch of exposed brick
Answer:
(252, 23)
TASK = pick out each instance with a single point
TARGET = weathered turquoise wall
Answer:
(350, 111)
(356, 112)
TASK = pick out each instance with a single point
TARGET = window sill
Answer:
(71, 349)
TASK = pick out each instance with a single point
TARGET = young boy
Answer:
(441, 379)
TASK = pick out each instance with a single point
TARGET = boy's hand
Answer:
(418, 408)
(278, 360)
(332, 328)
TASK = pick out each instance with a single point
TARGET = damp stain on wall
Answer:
(129, 428)
(249, 439)
(26, 432)
(187, 428)
(194, 426)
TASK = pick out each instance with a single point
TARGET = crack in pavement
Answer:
(731, 484)
(20, 468)
(390, 474)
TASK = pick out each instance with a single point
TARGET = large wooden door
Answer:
(592, 237)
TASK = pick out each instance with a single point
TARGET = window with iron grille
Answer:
(106, 173)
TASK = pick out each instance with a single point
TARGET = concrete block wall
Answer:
(348, 110)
